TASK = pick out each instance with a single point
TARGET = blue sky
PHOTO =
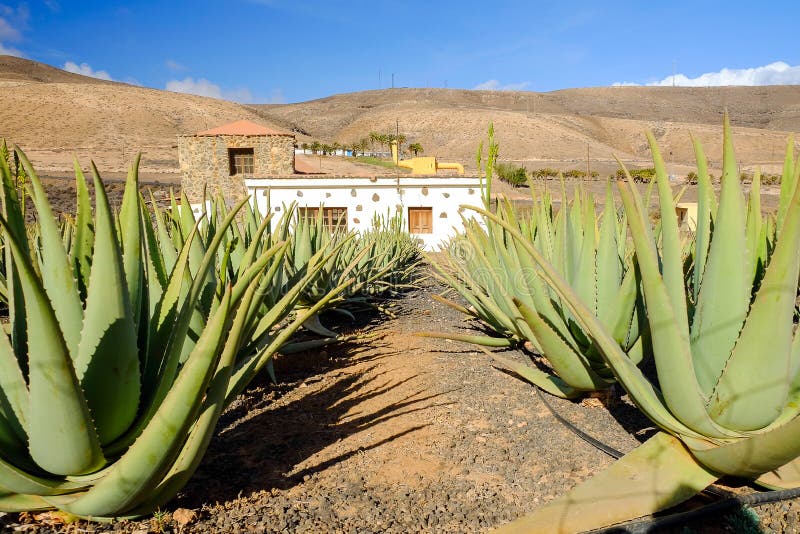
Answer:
(291, 50)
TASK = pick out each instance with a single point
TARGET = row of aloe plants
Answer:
(715, 310)
(130, 332)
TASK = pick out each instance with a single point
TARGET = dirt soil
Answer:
(398, 433)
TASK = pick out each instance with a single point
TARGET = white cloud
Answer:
(86, 70)
(275, 98)
(8, 32)
(174, 65)
(10, 51)
(495, 85)
(12, 24)
(778, 73)
(203, 87)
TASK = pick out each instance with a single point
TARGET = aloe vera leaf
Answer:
(13, 503)
(156, 270)
(608, 263)
(585, 282)
(54, 415)
(725, 290)
(545, 381)
(486, 341)
(183, 310)
(569, 365)
(671, 264)
(13, 391)
(108, 343)
(752, 390)
(641, 390)
(788, 183)
(56, 271)
(202, 431)
(144, 464)
(249, 366)
(16, 301)
(168, 249)
(83, 240)
(754, 222)
(17, 480)
(658, 474)
(187, 221)
(705, 193)
(541, 297)
(131, 241)
(620, 315)
(751, 456)
(671, 348)
(313, 324)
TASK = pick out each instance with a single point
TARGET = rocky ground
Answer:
(397, 433)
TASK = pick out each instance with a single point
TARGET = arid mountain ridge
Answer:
(54, 114)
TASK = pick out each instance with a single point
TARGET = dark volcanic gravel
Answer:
(400, 434)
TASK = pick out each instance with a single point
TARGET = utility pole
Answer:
(588, 169)
(393, 80)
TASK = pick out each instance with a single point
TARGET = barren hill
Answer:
(556, 127)
(54, 114)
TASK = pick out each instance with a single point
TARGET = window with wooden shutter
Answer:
(333, 219)
(420, 220)
(242, 160)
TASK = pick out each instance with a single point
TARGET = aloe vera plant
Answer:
(105, 411)
(727, 396)
(498, 278)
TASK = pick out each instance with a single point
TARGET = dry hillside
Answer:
(54, 114)
(556, 127)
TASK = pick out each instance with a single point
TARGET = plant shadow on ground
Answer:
(262, 437)
(626, 414)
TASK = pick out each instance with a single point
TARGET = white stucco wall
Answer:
(365, 197)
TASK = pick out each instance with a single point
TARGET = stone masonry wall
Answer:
(204, 163)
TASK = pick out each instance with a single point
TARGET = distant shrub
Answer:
(766, 178)
(513, 174)
(638, 175)
(545, 173)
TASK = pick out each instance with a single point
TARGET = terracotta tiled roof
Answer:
(244, 128)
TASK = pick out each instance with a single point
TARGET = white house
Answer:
(244, 158)
(429, 205)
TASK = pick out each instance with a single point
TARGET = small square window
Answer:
(242, 161)
(420, 220)
(333, 219)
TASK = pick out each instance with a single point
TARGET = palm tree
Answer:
(416, 148)
(335, 146)
(400, 138)
(315, 147)
(374, 137)
(304, 146)
(362, 145)
(385, 139)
